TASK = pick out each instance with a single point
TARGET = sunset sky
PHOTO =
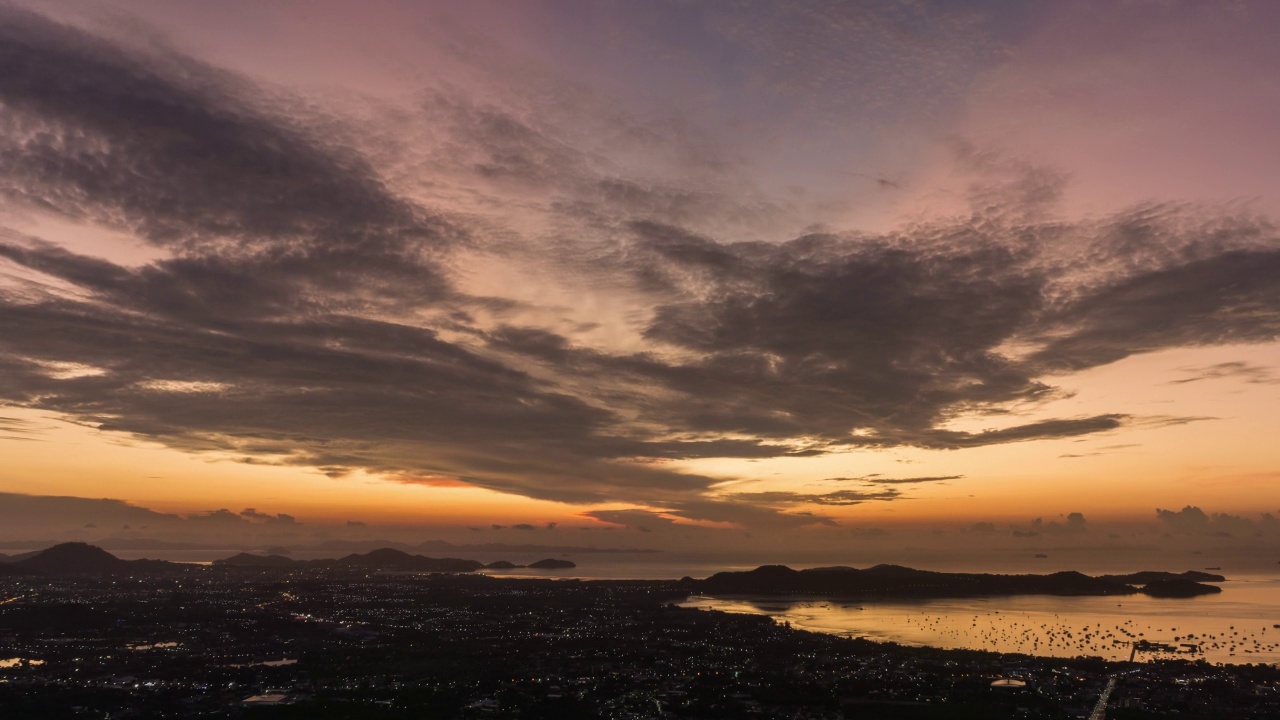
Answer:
(640, 274)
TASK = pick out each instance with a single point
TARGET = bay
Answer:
(1238, 625)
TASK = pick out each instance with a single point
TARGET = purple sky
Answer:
(767, 268)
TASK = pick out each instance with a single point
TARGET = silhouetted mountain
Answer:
(890, 571)
(553, 564)
(1179, 588)
(1149, 576)
(895, 580)
(77, 558)
(24, 556)
(72, 557)
(378, 559)
(392, 559)
(259, 561)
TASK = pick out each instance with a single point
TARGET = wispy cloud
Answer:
(309, 305)
(1241, 371)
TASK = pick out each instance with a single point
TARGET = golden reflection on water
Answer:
(1236, 626)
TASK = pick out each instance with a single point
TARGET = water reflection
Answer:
(1237, 626)
(154, 646)
(266, 663)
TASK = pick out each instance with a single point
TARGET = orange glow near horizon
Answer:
(474, 268)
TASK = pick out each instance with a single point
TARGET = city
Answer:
(788, 359)
(209, 641)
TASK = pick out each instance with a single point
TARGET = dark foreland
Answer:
(766, 580)
(898, 581)
(85, 634)
(385, 559)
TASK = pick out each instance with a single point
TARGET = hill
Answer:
(1149, 576)
(1179, 588)
(392, 559)
(378, 559)
(258, 561)
(898, 581)
(77, 558)
(553, 564)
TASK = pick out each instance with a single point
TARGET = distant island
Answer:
(886, 581)
(77, 558)
(386, 559)
(552, 564)
(1145, 578)
(548, 564)
(1178, 588)
(898, 581)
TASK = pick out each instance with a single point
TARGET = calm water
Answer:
(1235, 626)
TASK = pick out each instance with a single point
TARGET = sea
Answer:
(1239, 625)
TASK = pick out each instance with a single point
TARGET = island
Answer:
(553, 564)
(898, 581)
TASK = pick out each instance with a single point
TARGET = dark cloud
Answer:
(305, 311)
(28, 517)
(745, 510)
(534, 155)
(838, 497)
(221, 517)
(19, 429)
(277, 519)
(19, 510)
(1187, 519)
(1191, 520)
(1245, 372)
(181, 153)
(1072, 524)
(523, 526)
(895, 334)
(643, 520)
(1109, 449)
(1229, 298)
(877, 480)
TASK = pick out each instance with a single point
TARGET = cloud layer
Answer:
(309, 307)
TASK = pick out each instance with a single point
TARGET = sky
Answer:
(741, 276)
